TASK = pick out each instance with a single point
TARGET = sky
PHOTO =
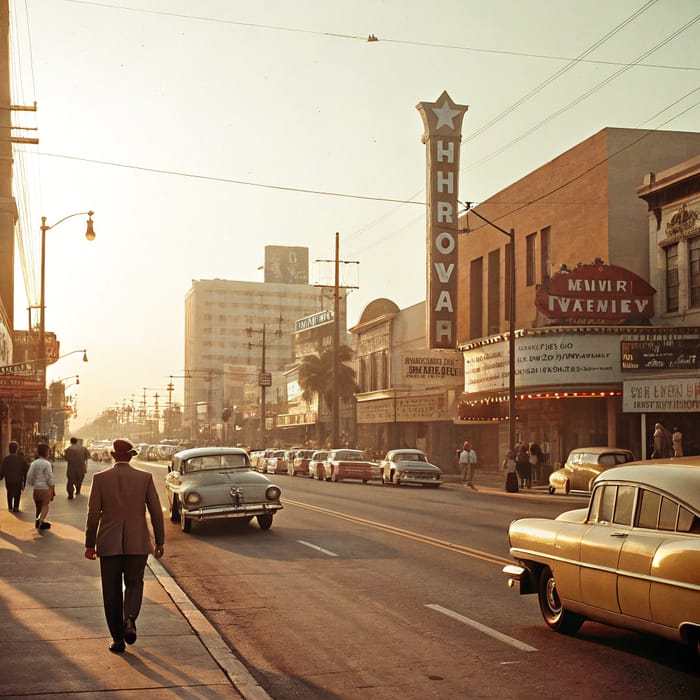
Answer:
(200, 132)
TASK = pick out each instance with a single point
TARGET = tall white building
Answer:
(239, 338)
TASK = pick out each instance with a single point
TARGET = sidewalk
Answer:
(53, 634)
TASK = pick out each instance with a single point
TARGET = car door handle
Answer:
(618, 534)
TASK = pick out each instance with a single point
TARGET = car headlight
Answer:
(273, 493)
(192, 499)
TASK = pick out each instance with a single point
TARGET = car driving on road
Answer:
(209, 483)
(631, 559)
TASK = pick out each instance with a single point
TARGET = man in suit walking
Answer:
(117, 532)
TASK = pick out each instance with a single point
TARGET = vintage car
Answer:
(299, 464)
(209, 483)
(346, 464)
(583, 465)
(631, 559)
(316, 464)
(276, 462)
(409, 466)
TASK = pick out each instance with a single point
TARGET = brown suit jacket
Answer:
(116, 519)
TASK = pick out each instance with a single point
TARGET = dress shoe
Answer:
(37, 522)
(70, 496)
(44, 526)
(129, 630)
(117, 647)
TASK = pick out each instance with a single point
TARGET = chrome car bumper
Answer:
(521, 575)
(241, 511)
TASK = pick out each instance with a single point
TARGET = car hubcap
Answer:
(552, 597)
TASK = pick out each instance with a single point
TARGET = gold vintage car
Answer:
(583, 465)
(631, 559)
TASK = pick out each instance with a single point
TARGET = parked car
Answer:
(631, 559)
(208, 483)
(316, 464)
(409, 467)
(300, 463)
(347, 464)
(583, 465)
(276, 463)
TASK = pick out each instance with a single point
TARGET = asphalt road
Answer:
(364, 591)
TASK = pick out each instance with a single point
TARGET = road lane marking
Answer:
(482, 628)
(316, 547)
(416, 536)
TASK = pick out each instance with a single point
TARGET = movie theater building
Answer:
(593, 280)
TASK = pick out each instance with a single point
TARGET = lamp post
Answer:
(90, 235)
(510, 263)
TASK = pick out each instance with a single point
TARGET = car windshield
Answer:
(410, 457)
(349, 455)
(214, 462)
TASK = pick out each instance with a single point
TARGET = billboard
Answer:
(286, 264)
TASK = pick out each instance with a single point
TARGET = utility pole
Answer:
(335, 403)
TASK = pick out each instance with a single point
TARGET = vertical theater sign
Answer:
(442, 136)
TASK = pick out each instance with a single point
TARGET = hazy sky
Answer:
(199, 132)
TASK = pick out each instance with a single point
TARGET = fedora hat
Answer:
(123, 448)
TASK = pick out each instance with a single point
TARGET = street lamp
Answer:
(510, 262)
(90, 235)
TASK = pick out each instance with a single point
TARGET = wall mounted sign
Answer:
(648, 355)
(442, 137)
(661, 395)
(596, 294)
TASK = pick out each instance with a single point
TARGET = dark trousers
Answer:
(74, 480)
(118, 605)
(14, 492)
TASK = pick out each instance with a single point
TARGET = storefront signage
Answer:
(377, 411)
(405, 409)
(652, 355)
(442, 136)
(544, 361)
(21, 388)
(319, 319)
(5, 344)
(439, 367)
(661, 395)
(596, 294)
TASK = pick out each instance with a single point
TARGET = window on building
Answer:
(694, 271)
(530, 263)
(493, 291)
(476, 286)
(545, 252)
(672, 286)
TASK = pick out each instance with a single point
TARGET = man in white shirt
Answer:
(467, 465)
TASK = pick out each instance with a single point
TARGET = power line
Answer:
(384, 40)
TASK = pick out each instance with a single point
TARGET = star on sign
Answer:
(445, 115)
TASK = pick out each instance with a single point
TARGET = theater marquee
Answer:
(442, 136)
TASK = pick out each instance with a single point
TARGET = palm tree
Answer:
(316, 377)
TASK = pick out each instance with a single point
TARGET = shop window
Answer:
(530, 262)
(672, 278)
(694, 271)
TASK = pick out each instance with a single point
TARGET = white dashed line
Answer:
(482, 628)
(317, 548)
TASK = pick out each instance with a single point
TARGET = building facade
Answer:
(407, 393)
(239, 341)
(587, 280)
